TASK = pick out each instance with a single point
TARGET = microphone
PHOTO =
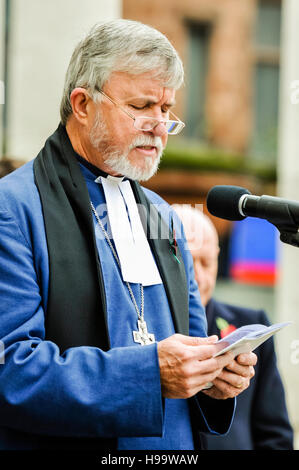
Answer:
(236, 203)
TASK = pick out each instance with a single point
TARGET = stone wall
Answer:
(229, 81)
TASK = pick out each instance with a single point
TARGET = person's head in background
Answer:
(203, 243)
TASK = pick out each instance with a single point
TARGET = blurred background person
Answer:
(261, 419)
(6, 167)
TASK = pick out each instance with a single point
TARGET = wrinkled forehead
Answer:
(203, 248)
(129, 86)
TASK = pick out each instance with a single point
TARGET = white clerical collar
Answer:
(134, 253)
(115, 179)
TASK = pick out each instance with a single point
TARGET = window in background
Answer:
(266, 81)
(199, 34)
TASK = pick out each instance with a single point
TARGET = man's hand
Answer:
(234, 378)
(187, 364)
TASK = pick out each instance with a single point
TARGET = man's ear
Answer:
(80, 102)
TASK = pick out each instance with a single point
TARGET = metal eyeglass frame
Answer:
(175, 127)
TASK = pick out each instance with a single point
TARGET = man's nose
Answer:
(159, 130)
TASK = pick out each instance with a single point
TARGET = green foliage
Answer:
(194, 157)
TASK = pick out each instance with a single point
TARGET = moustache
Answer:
(147, 141)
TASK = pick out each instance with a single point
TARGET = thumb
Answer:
(197, 340)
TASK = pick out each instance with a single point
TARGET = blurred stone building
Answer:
(230, 49)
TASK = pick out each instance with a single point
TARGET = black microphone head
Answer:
(223, 201)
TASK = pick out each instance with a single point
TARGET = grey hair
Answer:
(120, 46)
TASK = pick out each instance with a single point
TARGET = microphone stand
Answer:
(289, 235)
(284, 218)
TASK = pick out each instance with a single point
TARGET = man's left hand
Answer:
(235, 378)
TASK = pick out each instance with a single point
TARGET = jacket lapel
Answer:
(171, 268)
(210, 314)
(76, 288)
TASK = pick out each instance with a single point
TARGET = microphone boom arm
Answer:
(289, 234)
(290, 238)
(237, 203)
(280, 216)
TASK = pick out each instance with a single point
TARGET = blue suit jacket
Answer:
(85, 393)
(261, 419)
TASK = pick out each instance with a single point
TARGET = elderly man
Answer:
(95, 309)
(261, 420)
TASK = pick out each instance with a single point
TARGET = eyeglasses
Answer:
(144, 123)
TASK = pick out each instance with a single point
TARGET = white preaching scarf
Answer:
(136, 260)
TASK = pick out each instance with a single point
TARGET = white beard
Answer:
(118, 161)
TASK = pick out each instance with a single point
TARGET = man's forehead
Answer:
(150, 98)
(204, 250)
(142, 86)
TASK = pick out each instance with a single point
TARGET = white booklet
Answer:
(246, 338)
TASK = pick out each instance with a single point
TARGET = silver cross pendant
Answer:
(142, 336)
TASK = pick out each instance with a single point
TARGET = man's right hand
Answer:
(187, 364)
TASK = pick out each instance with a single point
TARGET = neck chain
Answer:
(142, 336)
